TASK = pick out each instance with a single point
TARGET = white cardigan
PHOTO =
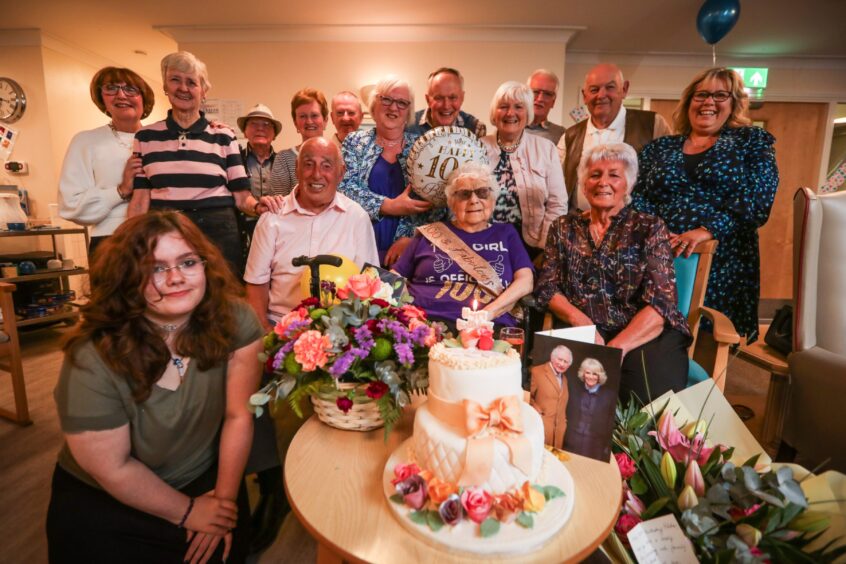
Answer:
(92, 171)
(540, 184)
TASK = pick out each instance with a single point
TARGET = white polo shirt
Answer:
(343, 228)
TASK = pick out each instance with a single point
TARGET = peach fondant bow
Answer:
(503, 413)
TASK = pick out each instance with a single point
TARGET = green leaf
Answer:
(433, 518)
(419, 517)
(397, 498)
(551, 492)
(654, 508)
(489, 527)
(638, 421)
(637, 484)
(526, 520)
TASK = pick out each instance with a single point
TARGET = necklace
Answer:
(170, 327)
(180, 366)
(388, 143)
(596, 233)
(120, 142)
(509, 148)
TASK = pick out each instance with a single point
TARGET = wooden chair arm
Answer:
(724, 332)
(7, 287)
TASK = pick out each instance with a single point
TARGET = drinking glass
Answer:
(514, 336)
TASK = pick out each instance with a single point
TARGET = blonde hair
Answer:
(594, 366)
(739, 99)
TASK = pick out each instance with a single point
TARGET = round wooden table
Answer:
(334, 483)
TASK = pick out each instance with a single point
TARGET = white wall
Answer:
(271, 72)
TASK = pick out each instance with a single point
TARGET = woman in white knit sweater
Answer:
(97, 173)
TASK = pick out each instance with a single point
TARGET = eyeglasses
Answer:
(482, 193)
(545, 93)
(260, 123)
(387, 101)
(128, 89)
(189, 268)
(718, 96)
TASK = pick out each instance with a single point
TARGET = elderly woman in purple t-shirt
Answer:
(436, 263)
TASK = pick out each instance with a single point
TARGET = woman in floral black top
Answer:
(612, 267)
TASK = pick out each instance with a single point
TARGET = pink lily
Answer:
(633, 505)
(670, 438)
(693, 478)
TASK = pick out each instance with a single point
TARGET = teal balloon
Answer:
(716, 18)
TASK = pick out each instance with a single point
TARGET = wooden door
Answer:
(799, 129)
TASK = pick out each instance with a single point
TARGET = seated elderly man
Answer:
(346, 115)
(444, 96)
(612, 267)
(314, 219)
(438, 267)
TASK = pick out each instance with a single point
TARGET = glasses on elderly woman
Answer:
(387, 101)
(188, 267)
(718, 96)
(128, 89)
(482, 193)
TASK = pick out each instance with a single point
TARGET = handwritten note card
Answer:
(661, 541)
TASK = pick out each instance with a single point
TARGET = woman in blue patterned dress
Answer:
(715, 180)
(376, 172)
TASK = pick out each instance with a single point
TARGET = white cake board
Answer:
(511, 538)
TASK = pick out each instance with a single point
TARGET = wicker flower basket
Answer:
(364, 415)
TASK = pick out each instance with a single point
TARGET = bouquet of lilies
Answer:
(731, 513)
(359, 333)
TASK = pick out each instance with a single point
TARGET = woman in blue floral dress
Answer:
(375, 175)
(716, 180)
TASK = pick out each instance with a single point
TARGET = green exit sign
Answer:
(753, 77)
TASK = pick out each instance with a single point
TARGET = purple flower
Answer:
(295, 327)
(405, 354)
(342, 364)
(364, 337)
(359, 353)
(419, 335)
(279, 357)
(413, 491)
(450, 510)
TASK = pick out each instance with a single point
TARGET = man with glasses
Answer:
(444, 96)
(544, 85)
(346, 115)
(610, 122)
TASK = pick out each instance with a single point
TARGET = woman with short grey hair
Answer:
(527, 168)
(193, 166)
(376, 175)
(612, 267)
(592, 373)
(440, 281)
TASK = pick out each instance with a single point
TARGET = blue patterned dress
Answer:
(730, 194)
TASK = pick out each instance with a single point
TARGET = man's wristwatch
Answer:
(122, 197)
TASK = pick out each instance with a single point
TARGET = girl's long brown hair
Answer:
(113, 320)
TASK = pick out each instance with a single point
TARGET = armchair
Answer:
(814, 425)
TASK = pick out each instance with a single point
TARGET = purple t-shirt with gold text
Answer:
(441, 287)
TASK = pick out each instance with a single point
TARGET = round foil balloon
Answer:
(436, 154)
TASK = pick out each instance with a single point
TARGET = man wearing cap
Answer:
(544, 85)
(444, 96)
(346, 115)
(260, 128)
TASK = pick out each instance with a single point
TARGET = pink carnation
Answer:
(409, 312)
(361, 285)
(299, 314)
(626, 464)
(310, 350)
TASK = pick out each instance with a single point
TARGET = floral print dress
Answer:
(730, 194)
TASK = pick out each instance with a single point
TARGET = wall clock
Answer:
(12, 100)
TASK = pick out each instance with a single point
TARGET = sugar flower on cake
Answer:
(477, 503)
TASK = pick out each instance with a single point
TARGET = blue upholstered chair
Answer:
(691, 283)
